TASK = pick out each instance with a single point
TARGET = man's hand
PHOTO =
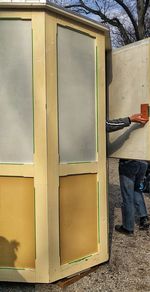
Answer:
(137, 118)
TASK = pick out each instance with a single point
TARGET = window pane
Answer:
(16, 110)
(76, 96)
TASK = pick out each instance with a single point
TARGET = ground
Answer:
(129, 267)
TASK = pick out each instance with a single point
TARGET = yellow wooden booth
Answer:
(53, 202)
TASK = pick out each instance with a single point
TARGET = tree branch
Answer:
(83, 5)
(125, 7)
(147, 3)
(122, 30)
(137, 28)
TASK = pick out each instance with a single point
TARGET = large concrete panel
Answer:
(129, 88)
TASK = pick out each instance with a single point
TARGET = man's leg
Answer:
(127, 172)
(141, 211)
(127, 192)
(140, 203)
(138, 196)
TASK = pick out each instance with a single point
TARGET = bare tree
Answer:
(129, 21)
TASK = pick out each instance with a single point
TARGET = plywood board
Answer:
(129, 88)
(17, 219)
(78, 217)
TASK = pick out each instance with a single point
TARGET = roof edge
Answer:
(62, 11)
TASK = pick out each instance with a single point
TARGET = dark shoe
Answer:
(121, 229)
(144, 223)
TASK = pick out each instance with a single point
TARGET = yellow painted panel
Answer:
(78, 216)
(17, 230)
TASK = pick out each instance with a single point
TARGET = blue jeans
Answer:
(131, 174)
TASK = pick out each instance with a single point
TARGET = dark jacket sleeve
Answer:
(117, 124)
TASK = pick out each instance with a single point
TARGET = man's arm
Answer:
(118, 124)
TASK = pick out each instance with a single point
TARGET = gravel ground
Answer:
(129, 267)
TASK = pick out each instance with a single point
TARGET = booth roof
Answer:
(44, 4)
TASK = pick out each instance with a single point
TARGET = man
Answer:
(131, 174)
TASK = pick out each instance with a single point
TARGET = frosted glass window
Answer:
(76, 96)
(16, 104)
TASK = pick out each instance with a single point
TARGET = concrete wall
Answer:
(129, 87)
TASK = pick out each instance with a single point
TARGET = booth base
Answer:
(70, 280)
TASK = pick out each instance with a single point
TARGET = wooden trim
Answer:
(68, 169)
(81, 265)
(15, 14)
(16, 275)
(40, 181)
(103, 206)
(76, 26)
(52, 140)
(17, 170)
